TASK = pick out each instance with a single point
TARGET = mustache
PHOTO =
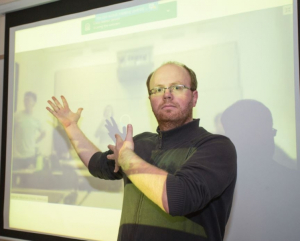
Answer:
(168, 103)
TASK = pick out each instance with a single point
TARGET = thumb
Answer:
(129, 133)
(79, 111)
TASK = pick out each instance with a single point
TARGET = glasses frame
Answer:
(170, 88)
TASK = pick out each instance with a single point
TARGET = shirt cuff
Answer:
(176, 197)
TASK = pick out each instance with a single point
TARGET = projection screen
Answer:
(245, 55)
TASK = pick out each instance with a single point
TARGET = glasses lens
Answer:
(174, 88)
(159, 90)
(179, 87)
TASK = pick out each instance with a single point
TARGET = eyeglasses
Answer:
(175, 89)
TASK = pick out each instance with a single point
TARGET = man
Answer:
(179, 183)
(27, 133)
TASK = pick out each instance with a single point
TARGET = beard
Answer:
(170, 119)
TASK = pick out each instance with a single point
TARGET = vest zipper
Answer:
(159, 140)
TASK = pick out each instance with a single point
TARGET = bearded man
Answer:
(179, 182)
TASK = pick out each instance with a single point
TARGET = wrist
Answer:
(70, 125)
(127, 160)
(73, 131)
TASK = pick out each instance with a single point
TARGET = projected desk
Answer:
(70, 184)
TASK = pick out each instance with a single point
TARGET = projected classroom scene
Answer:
(100, 62)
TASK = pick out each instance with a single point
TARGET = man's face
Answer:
(170, 107)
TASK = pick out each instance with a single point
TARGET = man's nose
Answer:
(167, 94)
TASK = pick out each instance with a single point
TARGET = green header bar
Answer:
(145, 13)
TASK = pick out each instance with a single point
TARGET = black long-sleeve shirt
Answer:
(200, 185)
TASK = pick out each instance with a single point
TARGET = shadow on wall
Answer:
(266, 200)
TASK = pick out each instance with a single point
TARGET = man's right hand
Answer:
(63, 113)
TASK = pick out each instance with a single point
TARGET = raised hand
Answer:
(120, 154)
(62, 112)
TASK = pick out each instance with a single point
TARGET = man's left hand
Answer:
(122, 149)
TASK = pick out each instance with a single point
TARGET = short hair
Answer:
(191, 73)
(30, 94)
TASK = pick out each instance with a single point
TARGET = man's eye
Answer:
(178, 87)
(159, 90)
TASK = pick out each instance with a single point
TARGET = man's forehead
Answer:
(170, 73)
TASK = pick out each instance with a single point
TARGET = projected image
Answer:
(243, 75)
(28, 132)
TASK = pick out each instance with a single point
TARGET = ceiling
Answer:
(14, 5)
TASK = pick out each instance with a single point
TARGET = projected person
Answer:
(179, 182)
(27, 133)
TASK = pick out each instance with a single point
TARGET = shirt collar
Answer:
(179, 134)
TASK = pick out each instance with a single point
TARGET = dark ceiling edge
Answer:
(55, 9)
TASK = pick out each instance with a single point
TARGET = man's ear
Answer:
(195, 97)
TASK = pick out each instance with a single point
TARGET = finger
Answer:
(79, 111)
(64, 101)
(129, 133)
(116, 168)
(118, 139)
(55, 108)
(51, 111)
(57, 102)
(111, 157)
(111, 147)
